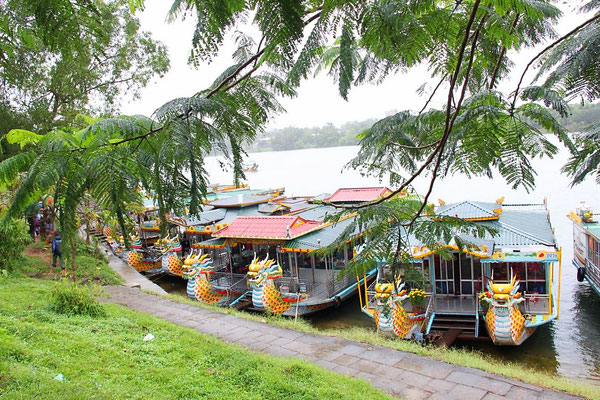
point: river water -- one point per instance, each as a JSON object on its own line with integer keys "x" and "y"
{"x": 569, "y": 346}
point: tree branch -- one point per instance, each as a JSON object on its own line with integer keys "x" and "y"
{"x": 432, "y": 94}
{"x": 502, "y": 52}
{"x": 549, "y": 47}
{"x": 449, "y": 123}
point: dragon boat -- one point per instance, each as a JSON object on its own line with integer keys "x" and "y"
{"x": 208, "y": 286}
{"x": 499, "y": 287}
{"x": 392, "y": 311}
{"x": 287, "y": 274}
{"x": 586, "y": 246}
{"x": 265, "y": 295}
{"x": 170, "y": 249}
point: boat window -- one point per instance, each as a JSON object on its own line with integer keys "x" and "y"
{"x": 444, "y": 275}
{"x": 536, "y": 287}
{"x": 477, "y": 281}
{"x": 466, "y": 287}
{"x": 519, "y": 269}
{"x": 304, "y": 260}
{"x": 536, "y": 271}
{"x": 437, "y": 263}
{"x": 319, "y": 262}
{"x": 499, "y": 272}
{"x": 465, "y": 267}
{"x": 339, "y": 258}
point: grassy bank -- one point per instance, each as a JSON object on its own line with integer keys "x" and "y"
{"x": 106, "y": 358}
{"x": 451, "y": 355}
{"x": 91, "y": 265}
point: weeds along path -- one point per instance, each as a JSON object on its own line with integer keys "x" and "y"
{"x": 401, "y": 374}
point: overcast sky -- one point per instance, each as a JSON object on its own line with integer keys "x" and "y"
{"x": 318, "y": 101}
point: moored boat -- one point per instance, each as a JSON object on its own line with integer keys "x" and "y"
{"x": 504, "y": 282}
{"x": 586, "y": 246}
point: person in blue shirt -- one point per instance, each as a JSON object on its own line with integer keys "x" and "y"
{"x": 56, "y": 250}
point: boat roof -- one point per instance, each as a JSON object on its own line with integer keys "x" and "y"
{"x": 519, "y": 227}
{"x": 355, "y": 195}
{"x": 286, "y": 205}
{"x": 317, "y": 239}
{"x": 268, "y": 227}
{"x": 318, "y": 213}
{"x": 471, "y": 210}
{"x": 242, "y": 200}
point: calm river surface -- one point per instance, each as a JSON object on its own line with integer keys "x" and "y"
{"x": 570, "y": 346}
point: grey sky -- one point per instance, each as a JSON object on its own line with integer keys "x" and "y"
{"x": 318, "y": 101}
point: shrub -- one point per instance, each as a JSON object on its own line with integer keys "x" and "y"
{"x": 14, "y": 237}
{"x": 73, "y": 299}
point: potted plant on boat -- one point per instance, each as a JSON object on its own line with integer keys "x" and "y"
{"x": 417, "y": 300}
{"x": 483, "y": 304}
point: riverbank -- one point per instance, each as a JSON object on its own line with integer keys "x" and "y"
{"x": 475, "y": 363}
{"x": 453, "y": 356}
{"x": 49, "y": 355}
{"x": 460, "y": 357}
{"x": 397, "y": 372}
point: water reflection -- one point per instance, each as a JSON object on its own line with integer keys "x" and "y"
{"x": 537, "y": 352}
{"x": 587, "y": 327}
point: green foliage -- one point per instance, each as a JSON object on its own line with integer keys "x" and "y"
{"x": 22, "y": 137}
{"x": 73, "y": 299}
{"x": 488, "y": 134}
{"x": 14, "y": 237}
{"x": 62, "y": 57}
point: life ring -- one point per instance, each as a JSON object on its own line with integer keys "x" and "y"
{"x": 580, "y": 274}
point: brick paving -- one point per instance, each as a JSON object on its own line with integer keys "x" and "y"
{"x": 400, "y": 374}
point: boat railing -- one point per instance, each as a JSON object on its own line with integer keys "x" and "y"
{"x": 536, "y": 303}
{"x": 371, "y": 299}
{"x": 335, "y": 284}
{"x": 428, "y": 311}
{"x": 288, "y": 284}
{"x": 236, "y": 283}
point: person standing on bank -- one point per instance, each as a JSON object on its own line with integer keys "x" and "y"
{"x": 56, "y": 251}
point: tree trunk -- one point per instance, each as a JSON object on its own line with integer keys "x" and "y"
{"x": 73, "y": 265}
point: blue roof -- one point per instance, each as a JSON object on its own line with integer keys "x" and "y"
{"x": 469, "y": 210}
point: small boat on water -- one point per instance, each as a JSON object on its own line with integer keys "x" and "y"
{"x": 500, "y": 287}
{"x": 249, "y": 166}
{"x": 586, "y": 246}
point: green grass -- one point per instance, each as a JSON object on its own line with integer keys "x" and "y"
{"x": 451, "y": 355}
{"x": 106, "y": 358}
{"x": 91, "y": 265}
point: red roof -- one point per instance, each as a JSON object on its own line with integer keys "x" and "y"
{"x": 345, "y": 195}
{"x": 281, "y": 227}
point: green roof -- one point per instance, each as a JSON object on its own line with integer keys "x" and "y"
{"x": 319, "y": 239}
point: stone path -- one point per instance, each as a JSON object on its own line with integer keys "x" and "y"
{"x": 401, "y": 374}
{"x": 129, "y": 274}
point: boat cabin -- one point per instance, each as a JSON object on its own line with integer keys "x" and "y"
{"x": 510, "y": 271}
{"x": 586, "y": 246}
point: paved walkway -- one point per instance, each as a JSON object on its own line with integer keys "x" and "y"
{"x": 401, "y": 374}
{"x": 129, "y": 274}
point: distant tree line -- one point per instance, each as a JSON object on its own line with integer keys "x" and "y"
{"x": 328, "y": 135}
{"x": 581, "y": 117}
